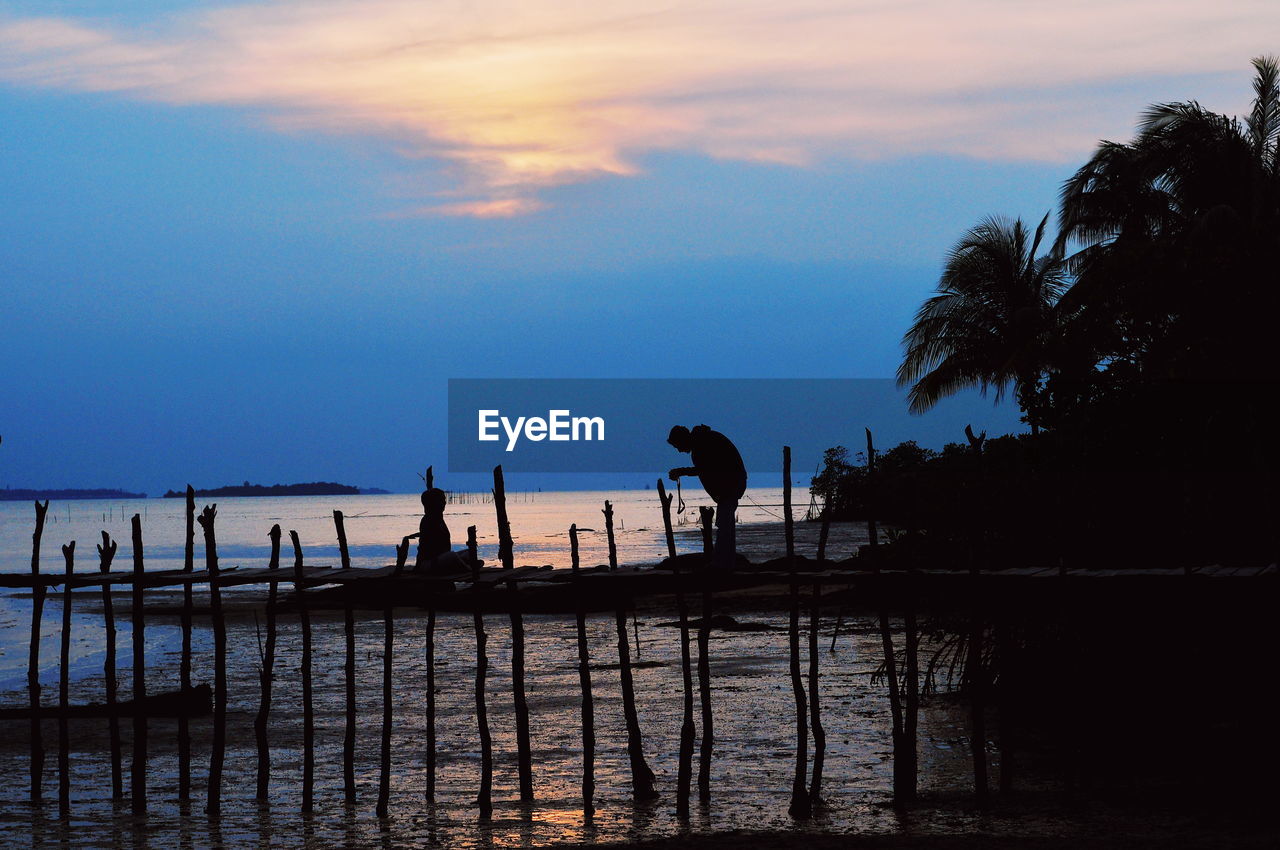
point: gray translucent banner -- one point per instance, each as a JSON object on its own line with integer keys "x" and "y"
{"x": 608, "y": 425}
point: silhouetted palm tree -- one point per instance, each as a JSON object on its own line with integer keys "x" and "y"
{"x": 1177, "y": 234}
{"x": 989, "y": 323}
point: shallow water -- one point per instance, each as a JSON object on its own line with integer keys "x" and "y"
{"x": 754, "y": 711}
{"x": 751, "y": 774}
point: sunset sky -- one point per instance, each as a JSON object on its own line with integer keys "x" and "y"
{"x": 254, "y": 240}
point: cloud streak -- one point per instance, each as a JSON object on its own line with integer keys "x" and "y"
{"x": 515, "y": 96}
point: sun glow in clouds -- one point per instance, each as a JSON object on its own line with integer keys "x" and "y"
{"x": 520, "y": 96}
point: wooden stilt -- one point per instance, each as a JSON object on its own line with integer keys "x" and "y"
{"x": 106, "y": 553}
{"x": 184, "y": 666}
{"x": 308, "y": 707}
{"x": 824, "y": 532}
{"x": 707, "y": 514}
{"x": 524, "y": 752}
{"x": 64, "y": 688}
{"x": 584, "y": 679}
{"x": 138, "y": 771}
{"x": 800, "y": 806}
{"x": 388, "y": 650}
{"x": 1004, "y": 648}
{"x": 911, "y": 686}
{"x": 431, "y": 704}
{"x": 973, "y": 665}
{"x": 268, "y": 673}
{"x": 484, "y": 799}
{"x": 815, "y": 706}
{"x": 349, "y": 634}
{"x": 684, "y": 771}
{"x": 33, "y": 658}
{"x": 213, "y": 806}
{"x": 641, "y": 776}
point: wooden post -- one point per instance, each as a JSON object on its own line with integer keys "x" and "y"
{"x": 1004, "y": 649}
{"x": 641, "y": 776}
{"x": 388, "y": 649}
{"x": 584, "y": 678}
{"x": 138, "y": 771}
{"x": 524, "y": 752}
{"x": 823, "y": 532}
{"x": 431, "y": 702}
{"x": 908, "y": 757}
{"x": 800, "y": 806}
{"x": 815, "y": 710}
{"x": 484, "y": 799}
{"x": 268, "y": 672}
{"x": 38, "y": 591}
{"x": 349, "y": 669}
{"x": 704, "y": 661}
{"x": 973, "y": 664}
{"x": 213, "y": 807}
{"x": 684, "y": 773}
{"x": 184, "y": 667}
{"x": 107, "y": 552}
{"x": 64, "y": 688}
{"x": 308, "y": 707}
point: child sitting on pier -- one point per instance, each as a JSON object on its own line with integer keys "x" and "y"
{"x": 435, "y": 548}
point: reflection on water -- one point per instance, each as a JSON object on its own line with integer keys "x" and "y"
{"x": 751, "y": 771}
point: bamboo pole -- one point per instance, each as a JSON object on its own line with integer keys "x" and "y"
{"x": 38, "y": 591}
{"x": 184, "y": 667}
{"x": 64, "y": 688}
{"x": 800, "y": 806}
{"x": 349, "y": 669}
{"x": 217, "y": 754}
{"x": 388, "y": 650}
{"x": 684, "y": 773}
{"x": 815, "y": 707}
{"x": 484, "y": 799}
{"x": 308, "y": 707}
{"x": 431, "y": 702}
{"x": 138, "y": 771}
{"x": 641, "y": 776}
{"x": 973, "y": 664}
{"x": 704, "y": 661}
{"x": 106, "y": 553}
{"x": 524, "y": 753}
{"x": 268, "y": 673}
{"x": 584, "y": 678}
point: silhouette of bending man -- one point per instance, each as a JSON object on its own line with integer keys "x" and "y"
{"x": 719, "y": 467}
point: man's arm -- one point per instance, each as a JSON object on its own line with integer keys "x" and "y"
{"x": 679, "y": 471}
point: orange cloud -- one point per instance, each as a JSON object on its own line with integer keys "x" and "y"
{"x": 519, "y": 95}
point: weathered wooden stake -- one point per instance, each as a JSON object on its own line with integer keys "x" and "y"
{"x": 64, "y": 688}
{"x": 707, "y": 514}
{"x": 815, "y": 710}
{"x": 308, "y": 708}
{"x": 684, "y": 773}
{"x": 973, "y": 664}
{"x": 431, "y": 703}
{"x": 484, "y": 799}
{"x": 184, "y": 667}
{"x": 584, "y": 678}
{"x": 107, "y": 552}
{"x": 524, "y": 752}
{"x": 267, "y": 675}
{"x": 33, "y": 658}
{"x": 138, "y": 771}
{"x": 641, "y": 776}
{"x": 388, "y": 650}
{"x": 349, "y": 633}
{"x": 911, "y": 721}
{"x": 823, "y": 532}
{"x": 213, "y": 807}
{"x": 800, "y": 806}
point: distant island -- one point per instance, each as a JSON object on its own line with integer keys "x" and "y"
{"x": 315, "y": 488}
{"x": 24, "y": 495}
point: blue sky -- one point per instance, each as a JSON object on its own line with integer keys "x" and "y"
{"x": 222, "y": 260}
